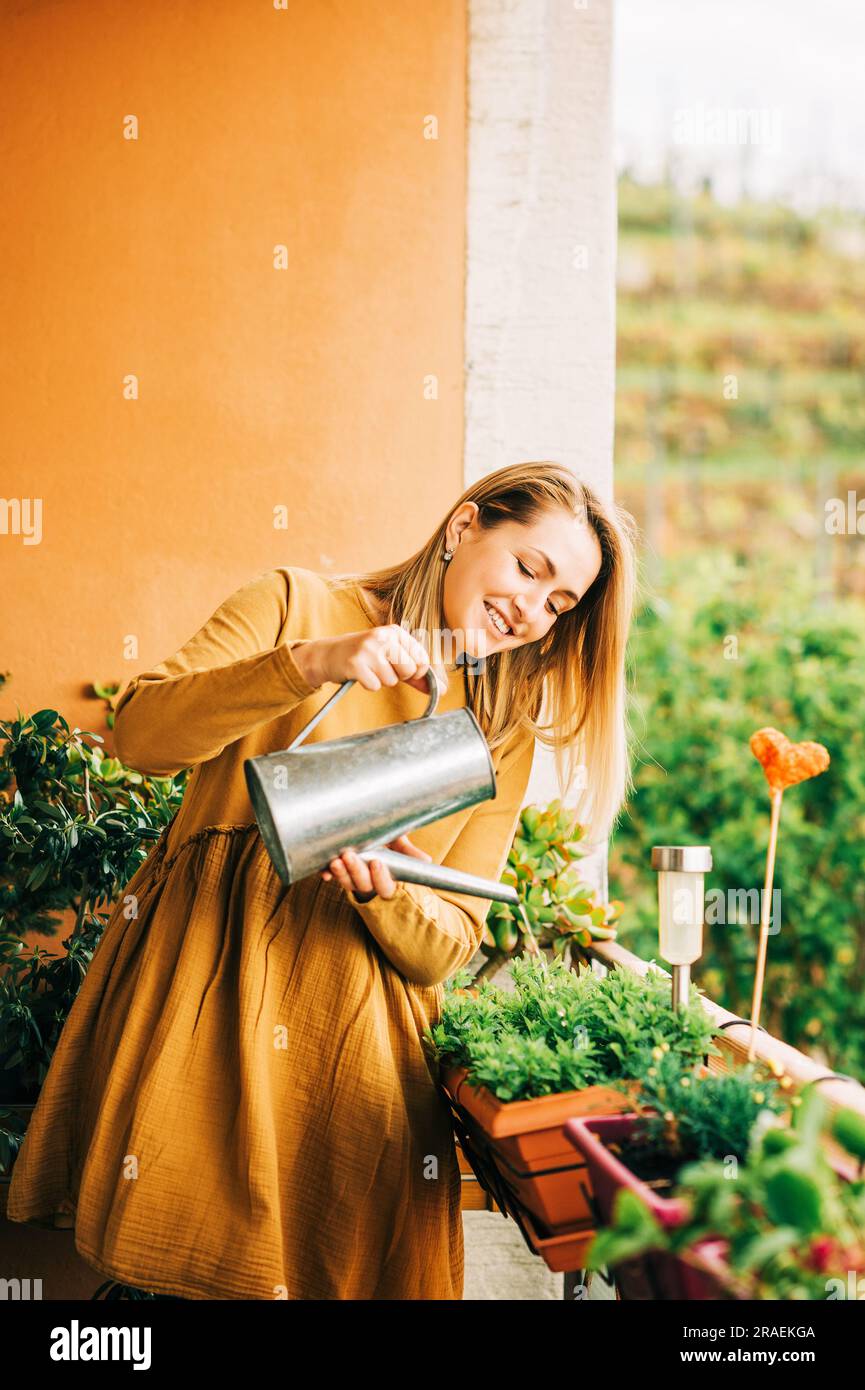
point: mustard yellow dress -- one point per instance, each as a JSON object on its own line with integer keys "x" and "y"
{"x": 239, "y": 1105}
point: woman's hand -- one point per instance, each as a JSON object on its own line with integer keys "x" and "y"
{"x": 379, "y": 656}
{"x": 367, "y": 880}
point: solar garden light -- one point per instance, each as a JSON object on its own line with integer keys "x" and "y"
{"x": 681, "y": 908}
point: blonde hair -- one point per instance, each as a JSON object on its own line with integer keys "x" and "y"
{"x": 574, "y": 677}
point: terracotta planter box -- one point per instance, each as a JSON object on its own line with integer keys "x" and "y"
{"x": 562, "y": 1253}
{"x": 656, "y": 1275}
{"x": 526, "y": 1141}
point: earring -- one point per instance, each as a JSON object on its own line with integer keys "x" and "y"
{"x": 448, "y": 555}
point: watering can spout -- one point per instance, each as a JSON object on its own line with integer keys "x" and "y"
{"x": 311, "y": 802}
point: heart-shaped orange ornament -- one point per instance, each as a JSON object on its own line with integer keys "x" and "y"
{"x": 786, "y": 763}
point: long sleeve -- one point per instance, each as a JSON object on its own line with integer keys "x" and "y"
{"x": 232, "y": 675}
{"x": 427, "y": 933}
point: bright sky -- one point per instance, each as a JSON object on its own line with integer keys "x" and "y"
{"x": 682, "y": 65}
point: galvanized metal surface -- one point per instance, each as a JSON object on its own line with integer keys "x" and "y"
{"x": 362, "y": 791}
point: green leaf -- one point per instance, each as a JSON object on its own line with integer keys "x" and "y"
{"x": 766, "y": 1246}
{"x": 848, "y": 1128}
{"x": 45, "y": 719}
{"x": 634, "y": 1231}
{"x": 793, "y": 1199}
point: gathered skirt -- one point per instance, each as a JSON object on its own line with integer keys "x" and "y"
{"x": 239, "y": 1104}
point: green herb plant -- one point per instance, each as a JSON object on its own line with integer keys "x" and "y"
{"x": 561, "y": 1029}
{"x": 687, "y": 1116}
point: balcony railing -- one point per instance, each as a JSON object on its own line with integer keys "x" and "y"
{"x": 733, "y": 1037}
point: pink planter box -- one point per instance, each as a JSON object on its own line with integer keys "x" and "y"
{"x": 656, "y": 1275}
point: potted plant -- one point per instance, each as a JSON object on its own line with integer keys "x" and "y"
{"x": 75, "y": 825}
{"x": 789, "y": 1225}
{"x": 557, "y": 907}
{"x": 516, "y": 1064}
{"x": 680, "y": 1115}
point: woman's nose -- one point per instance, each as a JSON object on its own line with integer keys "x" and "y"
{"x": 523, "y": 611}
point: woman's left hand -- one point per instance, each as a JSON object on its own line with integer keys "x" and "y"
{"x": 367, "y": 879}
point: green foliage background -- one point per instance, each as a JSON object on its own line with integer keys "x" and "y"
{"x": 739, "y": 415}
{"x": 698, "y": 698}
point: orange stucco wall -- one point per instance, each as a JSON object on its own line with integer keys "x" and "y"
{"x": 258, "y": 387}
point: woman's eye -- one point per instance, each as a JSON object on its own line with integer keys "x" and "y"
{"x": 554, "y": 611}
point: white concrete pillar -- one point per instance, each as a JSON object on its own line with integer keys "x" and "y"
{"x": 541, "y": 249}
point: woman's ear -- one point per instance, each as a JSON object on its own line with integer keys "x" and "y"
{"x": 464, "y": 517}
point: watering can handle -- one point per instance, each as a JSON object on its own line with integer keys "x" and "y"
{"x": 435, "y": 691}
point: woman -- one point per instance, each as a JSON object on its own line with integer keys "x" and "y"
{"x": 240, "y": 1105}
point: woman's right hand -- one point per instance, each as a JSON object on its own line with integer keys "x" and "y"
{"x": 376, "y": 657}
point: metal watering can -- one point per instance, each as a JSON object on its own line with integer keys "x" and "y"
{"x": 366, "y": 789}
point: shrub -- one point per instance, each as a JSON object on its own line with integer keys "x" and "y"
{"x": 798, "y": 667}
{"x": 75, "y": 825}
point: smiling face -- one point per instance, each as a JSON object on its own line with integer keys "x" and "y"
{"x": 500, "y": 591}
